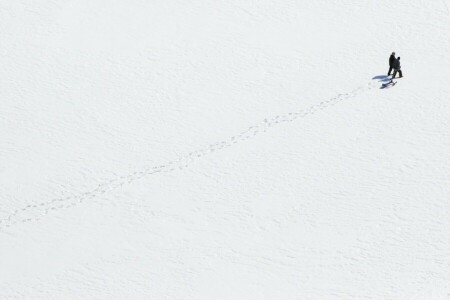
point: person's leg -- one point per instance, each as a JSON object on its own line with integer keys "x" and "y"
{"x": 400, "y": 72}
{"x": 395, "y": 73}
{"x": 390, "y": 70}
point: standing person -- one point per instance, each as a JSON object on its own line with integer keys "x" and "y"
{"x": 391, "y": 62}
{"x": 397, "y": 67}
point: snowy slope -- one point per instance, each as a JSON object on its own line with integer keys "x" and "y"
{"x": 224, "y": 150}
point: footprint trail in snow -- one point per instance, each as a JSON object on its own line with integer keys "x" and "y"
{"x": 36, "y": 211}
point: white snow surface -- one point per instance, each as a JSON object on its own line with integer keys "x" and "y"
{"x": 237, "y": 149}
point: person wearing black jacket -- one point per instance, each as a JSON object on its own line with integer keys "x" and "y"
{"x": 391, "y": 62}
{"x": 396, "y": 66}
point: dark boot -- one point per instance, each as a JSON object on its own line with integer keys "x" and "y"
{"x": 390, "y": 70}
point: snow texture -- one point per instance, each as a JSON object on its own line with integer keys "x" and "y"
{"x": 224, "y": 150}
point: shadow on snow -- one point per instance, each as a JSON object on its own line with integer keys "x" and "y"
{"x": 384, "y": 79}
{"x": 381, "y": 78}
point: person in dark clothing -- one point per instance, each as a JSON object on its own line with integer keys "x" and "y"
{"x": 391, "y": 62}
{"x": 396, "y": 66}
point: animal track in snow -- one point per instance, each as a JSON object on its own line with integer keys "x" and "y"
{"x": 34, "y": 212}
